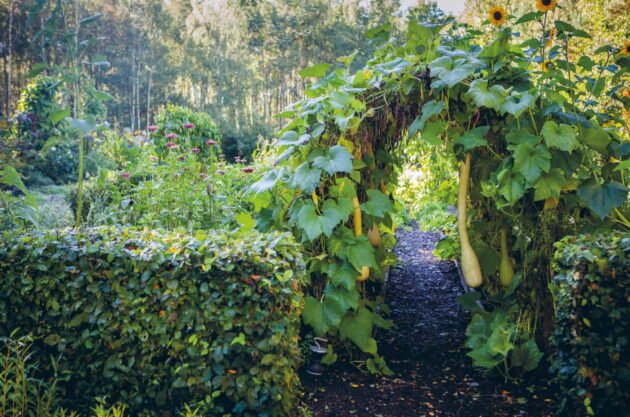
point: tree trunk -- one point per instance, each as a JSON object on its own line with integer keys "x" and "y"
{"x": 149, "y": 97}
{"x": 8, "y": 68}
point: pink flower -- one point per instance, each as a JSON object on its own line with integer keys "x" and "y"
{"x": 182, "y": 158}
{"x": 188, "y": 126}
{"x": 195, "y": 150}
{"x": 211, "y": 142}
{"x": 171, "y": 145}
{"x": 203, "y": 176}
{"x": 220, "y": 172}
{"x": 171, "y": 136}
{"x": 220, "y": 164}
{"x": 248, "y": 170}
{"x": 125, "y": 175}
{"x": 152, "y": 128}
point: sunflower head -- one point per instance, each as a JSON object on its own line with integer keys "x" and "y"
{"x": 626, "y": 49}
{"x": 497, "y": 15}
{"x": 546, "y": 5}
{"x": 546, "y": 65}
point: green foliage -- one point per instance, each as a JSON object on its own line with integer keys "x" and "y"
{"x": 160, "y": 319}
{"x": 590, "y": 339}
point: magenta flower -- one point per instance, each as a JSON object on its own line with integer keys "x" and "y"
{"x": 248, "y": 170}
{"x": 171, "y": 136}
{"x": 188, "y": 126}
{"x": 125, "y": 175}
{"x": 220, "y": 172}
{"x": 152, "y": 128}
{"x": 182, "y": 158}
{"x": 172, "y": 145}
{"x": 211, "y": 142}
{"x": 195, "y": 150}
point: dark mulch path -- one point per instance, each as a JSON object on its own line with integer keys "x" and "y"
{"x": 434, "y": 376}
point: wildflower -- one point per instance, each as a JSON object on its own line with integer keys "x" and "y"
{"x": 188, "y": 126}
{"x": 171, "y": 135}
{"x": 172, "y": 145}
{"x": 546, "y": 5}
{"x": 125, "y": 175}
{"x": 497, "y": 15}
{"x": 546, "y": 65}
{"x": 203, "y": 176}
{"x": 211, "y": 142}
{"x": 152, "y": 128}
{"x": 248, "y": 170}
{"x": 195, "y": 150}
{"x": 182, "y": 158}
{"x": 551, "y": 35}
{"x": 626, "y": 49}
{"x": 162, "y": 313}
{"x": 220, "y": 172}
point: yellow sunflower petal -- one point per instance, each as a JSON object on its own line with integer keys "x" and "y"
{"x": 497, "y": 15}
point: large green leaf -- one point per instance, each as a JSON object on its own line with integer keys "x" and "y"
{"x": 357, "y": 327}
{"x": 429, "y": 109}
{"x": 313, "y": 225}
{"x": 473, "y": 138}
{"x": 500, "y": 341}
{"x": 378, "y": 204}
{"x": 451, "y": 70}
{"x": 306, "y": 178}
{"x": 347, "y": 299}
{"x": 527, "y": 355}
{"x": 336, "y": 159}
{"x": 559, "y": 136}
{"x": 603, "y": 198}
{"x": 483, "y": 358}
{"x": 291, "y": 138}
{"x": 517, "y": 103}
{"x": 549, "y": 184}
{"x": 492, "y": 97}
{"x": 531, "y": 161}
{"x": 322, "y": 316}
{"x": 511, "y": 186}
{"x": 596, "y": 138}
{"x": 317, "y": 71}
{"x": 344, "y": 275}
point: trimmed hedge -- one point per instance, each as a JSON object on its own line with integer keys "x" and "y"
{"x": 592, "y": 328}
{"x": 158, "y": 320}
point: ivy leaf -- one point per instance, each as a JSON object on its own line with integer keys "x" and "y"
{"x": 378, "y": 204}
{"x": 473, "y": 138}
{"x": 337, "y": 159}
{"x": 559, "y": 136}
{"x": 358, "y": 328}
{"x": 511, "y": 186}
{"x": 451, "y": 71}
{"x": 531, "y": 161}
{"x": 492, "y": 98}
{"x": 306, "y": 178}
{"x": 549, "y": 184}
{"x": 603, "y": 198}
{"x": 322, "y": 316}
{"x": 517, "y": 103}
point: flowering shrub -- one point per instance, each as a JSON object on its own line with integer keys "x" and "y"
{"x": 157, "y": 320}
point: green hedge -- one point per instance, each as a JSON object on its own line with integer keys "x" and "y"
{"x": 158, "y": 320}
{"x": 592, "y": 328}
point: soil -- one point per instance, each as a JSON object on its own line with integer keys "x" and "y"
{"x": 433, "y": 376}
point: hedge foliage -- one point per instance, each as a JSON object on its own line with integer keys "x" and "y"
{"x": 158, "y": 320}
{"x": 592, "y": 328}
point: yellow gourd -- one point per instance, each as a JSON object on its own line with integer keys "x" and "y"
{"x": 358, "y": 231}
{"x": 506, "y": 271}
{"x": 374, "y": 236}
{"x": 469, "y": 262}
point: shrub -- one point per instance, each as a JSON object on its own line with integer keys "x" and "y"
{"x": 157, "y": 320}
{"x": 592, "y": 325}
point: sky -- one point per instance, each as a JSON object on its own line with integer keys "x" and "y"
{"x": 452, "y": 6}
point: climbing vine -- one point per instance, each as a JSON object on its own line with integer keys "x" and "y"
{"x": 538, "y": 132}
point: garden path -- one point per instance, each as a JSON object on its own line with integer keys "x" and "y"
{"x": 433, "y": 377}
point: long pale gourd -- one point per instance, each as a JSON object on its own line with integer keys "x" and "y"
{"x": 506, "y": 271}
{"x": 374, "y": 236}
{"x": 469, "y": 262}
{"x": 358, "y": 231}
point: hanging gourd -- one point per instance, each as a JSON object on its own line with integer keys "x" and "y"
{"x": 374, "y": 236}
{"x": 469, "y": 262}
{"x": 506, "y": 271}
{"x": 358, "y": 226}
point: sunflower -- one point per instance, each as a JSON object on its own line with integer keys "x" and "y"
{"x": 546, "y": 5}
{"x": 546, "y": 65}
{"x": 626, "y": 49}
{"x": 497, "y": 15}
{"x": 551, "y": 34}
{"x": 626, "y": 93}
